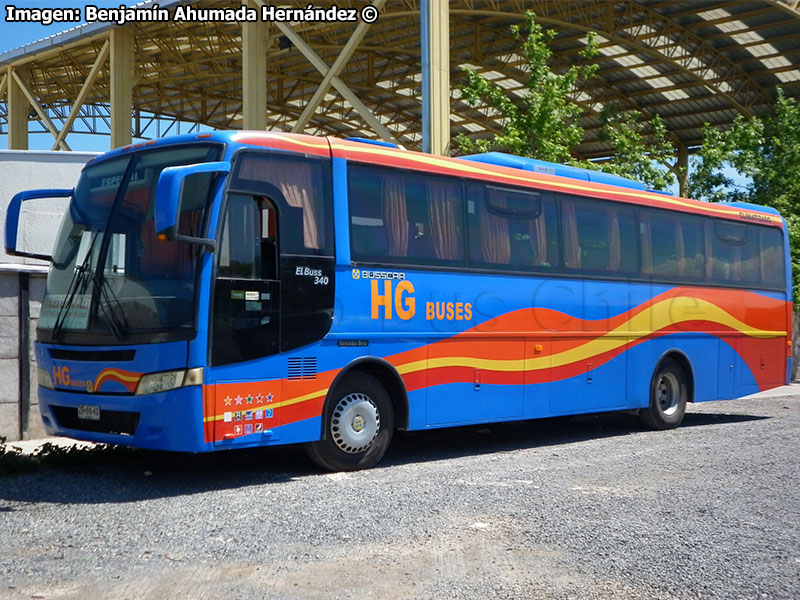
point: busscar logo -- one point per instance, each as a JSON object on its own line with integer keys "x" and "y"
{"x": 365, "y": 274}
{"x": 756, "y": 217}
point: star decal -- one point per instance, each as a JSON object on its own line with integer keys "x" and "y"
{"x": 259, "y": 398}
{"x": 238, "y": 399}
{"x": 270, "y": 397}
{"x": 227, "y": 401}
{"x": 249, "y": 399}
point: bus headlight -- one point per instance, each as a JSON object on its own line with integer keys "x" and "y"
{"x": 153, "y": 383}
{"x": 43, "y": 378}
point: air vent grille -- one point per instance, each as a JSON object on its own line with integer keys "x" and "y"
{"x": 302, "y": 367}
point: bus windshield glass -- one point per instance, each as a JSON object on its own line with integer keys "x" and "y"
{"x": 111, "y": 279}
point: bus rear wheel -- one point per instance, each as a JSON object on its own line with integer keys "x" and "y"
{"x": 359, "y": 422}
{"x": 668, "y": 397}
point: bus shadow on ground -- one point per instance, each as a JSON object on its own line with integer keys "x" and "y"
{"x": 440, "y": 444}
{"x": 117, "y": 474}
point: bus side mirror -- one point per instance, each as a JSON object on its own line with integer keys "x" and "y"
{"x": 12, "y": 218}
{"x": 169, "y": 190}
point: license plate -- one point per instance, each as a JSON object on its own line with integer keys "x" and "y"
{"x": 89, "y": 413}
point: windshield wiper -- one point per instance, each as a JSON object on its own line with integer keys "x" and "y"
{"x": 79, "y": 279}
{"x": 110, "y": 304}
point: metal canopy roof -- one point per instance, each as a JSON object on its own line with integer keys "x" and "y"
{"x": 690, "y": 61}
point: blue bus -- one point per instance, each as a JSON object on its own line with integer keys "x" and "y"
{"x": 240, "y": 289}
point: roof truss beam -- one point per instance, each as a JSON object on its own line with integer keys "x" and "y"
{"x": 340, "y": 86}
{"x": 48, "y": 123}
{"x": 82, "y": 94}
{"x": 334, "y": 70}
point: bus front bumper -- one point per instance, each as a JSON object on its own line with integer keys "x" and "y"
{"x": 171, "y": 420}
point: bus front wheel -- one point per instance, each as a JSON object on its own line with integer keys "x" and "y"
{"x": 359, "y": 422}
{"x": 668, "y": 396}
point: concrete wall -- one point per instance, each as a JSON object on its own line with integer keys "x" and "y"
{"x": 19, "y": 408}
{"x": 24, "y": 278}
{"x": 24, "y": 170}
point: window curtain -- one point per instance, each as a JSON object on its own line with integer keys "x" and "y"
{"x": 647, "y": 242}
{"x": 538, "y": 233}
{"x": 709, "y": 231}
{"x": 572, "y": 251}
{"x": 395, "y": 215}
{"x": 295, "y": 181}
{"x": 614, "y": 241}
{"x": 765, "y": 255}
{"x": 444, "y": 213}
{"x": 680, "y": 247}
{"x": 736, "y": 263}
{"x": 495, "y": 243}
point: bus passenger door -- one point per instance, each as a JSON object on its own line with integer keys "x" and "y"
{"x": 246, "y": 317}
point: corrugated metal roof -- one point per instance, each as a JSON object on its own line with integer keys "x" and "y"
{"x": 690, "y": 62}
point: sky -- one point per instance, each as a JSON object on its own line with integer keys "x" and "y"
{"x": 15, "y": 35}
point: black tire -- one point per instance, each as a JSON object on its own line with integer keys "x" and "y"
{"x": 358, "y": 423}
{"x": 669, "y": 393}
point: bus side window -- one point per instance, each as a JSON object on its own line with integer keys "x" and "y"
{"x": 598, "y": 236}
{"x": 672, "y": 244}
{"x": 302, "y": 193}
{"x": 734, "y": 252}
{"x": 772, "y": 259}
{"x": 244, "y": 252}
{"x": 269, "y": 240}
{"x": 367, "y": 231}
{"x": 397, "y": 218}
{"x": 514, "y": 228}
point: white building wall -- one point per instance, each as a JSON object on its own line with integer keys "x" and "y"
{"x": 25, "y": 170}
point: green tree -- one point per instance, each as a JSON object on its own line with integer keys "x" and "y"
{"x": 646, "y": 156}
{"x": 766, "y": 150}
{"x": 543, "y": 124}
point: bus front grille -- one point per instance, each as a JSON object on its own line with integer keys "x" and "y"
{"x": 93, "y": 355}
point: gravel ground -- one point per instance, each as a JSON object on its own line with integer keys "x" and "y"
{"x": 588, "y": 507}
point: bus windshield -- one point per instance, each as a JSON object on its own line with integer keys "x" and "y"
{"x": 111, "y": 279}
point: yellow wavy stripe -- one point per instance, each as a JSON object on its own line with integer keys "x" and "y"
{"x": 661, "y": 315}
{"x": 118, "y": 375}
{"x": 462, "y": 361}
{"x": 281, "y": 137}
{"x": 295, "y": 400}
{"x": 472, "y": 168}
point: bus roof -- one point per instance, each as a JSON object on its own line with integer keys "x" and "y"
{"x": 494, "y": 166}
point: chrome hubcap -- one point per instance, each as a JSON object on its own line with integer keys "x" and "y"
{"x": 355, "y": 423}
{"x": 668, "y": 393}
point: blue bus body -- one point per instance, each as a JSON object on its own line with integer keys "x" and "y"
{"x": 423, "y": 305}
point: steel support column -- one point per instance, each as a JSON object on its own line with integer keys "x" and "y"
{"x": 18, "y": 108}
{"x": 121, "y": 85}
{"x": 435, "y": 25}
{"x": 40, "y": 110}
{"x": 254, "y": 75}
